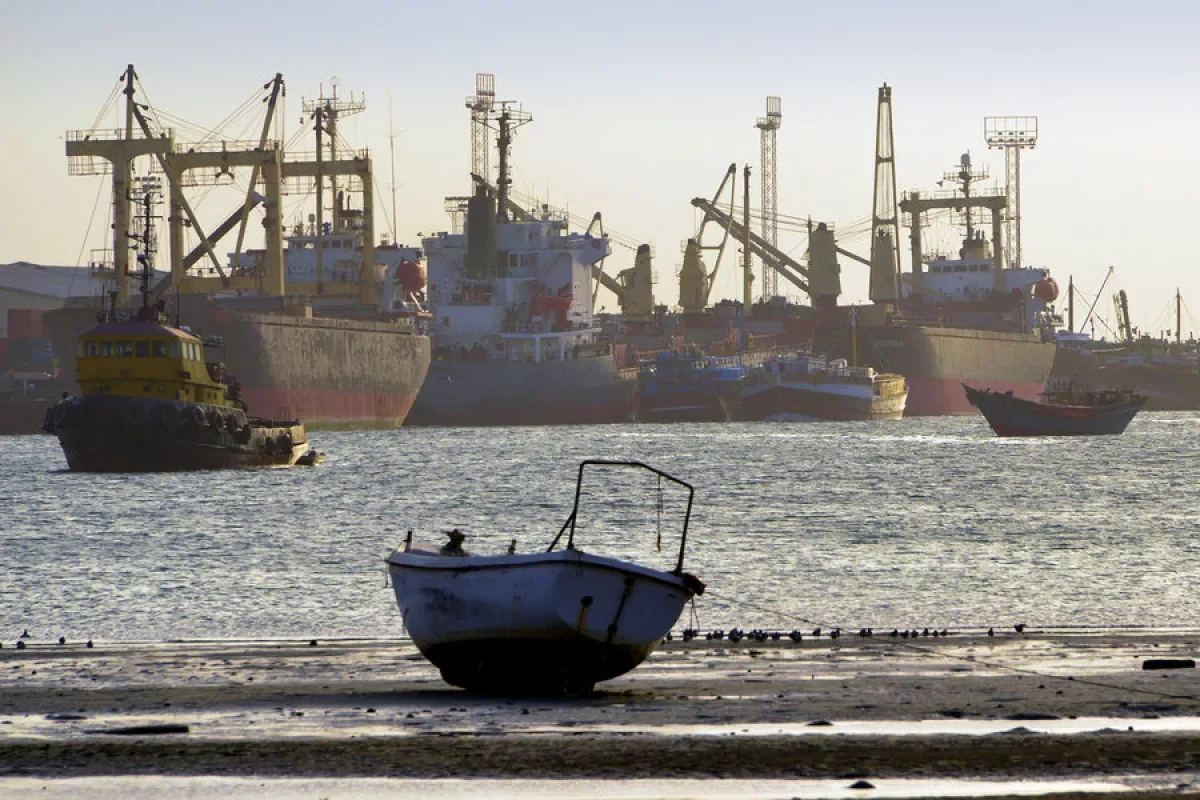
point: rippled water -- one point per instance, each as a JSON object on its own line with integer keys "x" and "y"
{"x": 922, "y": 522}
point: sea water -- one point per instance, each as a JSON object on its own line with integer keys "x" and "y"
{"x": 917, "y": 523}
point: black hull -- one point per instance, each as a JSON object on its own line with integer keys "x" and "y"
{"x": 533, "y": 666}
{"x": 107, "y": 433}
{"x": 711, "y": 405}
{"x": 1011, "y": 416}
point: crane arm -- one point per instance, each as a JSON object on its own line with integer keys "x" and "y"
{"x": 795, "y": 272}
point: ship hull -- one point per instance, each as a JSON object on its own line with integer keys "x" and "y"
{"x": 672, "y": 403}
{"x": 112, "y": 433}
{"x": 935, "y": 361}
{"x": 1166, "y": 388}
{"x": 328, "y": 372}
{"x": 574, "y": 391}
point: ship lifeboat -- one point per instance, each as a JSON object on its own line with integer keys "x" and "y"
{"x": 1046, "y": 290}
{"x": 411, "y": 276}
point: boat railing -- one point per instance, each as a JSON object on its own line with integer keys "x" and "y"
{"x": 569, "y": 526}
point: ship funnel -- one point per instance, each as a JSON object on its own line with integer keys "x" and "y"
{"x": 637, "y": 302}
{"x": 481, "y": 235}
{"x": 883, "y": 268}
{"x": 693, "y": 280}
{"x": 824, "y": 272}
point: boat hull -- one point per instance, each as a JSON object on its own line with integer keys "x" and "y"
{"x": 832, "y": 402}
{"x": 544, "y": 622}
{"x": 1012, "y": 416}
{"x": 573, "y": 391}
{"x": 110, "y": 433}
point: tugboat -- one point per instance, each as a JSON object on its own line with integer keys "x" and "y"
{"x": 1068, "y": 410}
{"x": 150, "y": 400}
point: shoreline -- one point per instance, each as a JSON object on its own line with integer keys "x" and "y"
{"x": 370, "y": 708}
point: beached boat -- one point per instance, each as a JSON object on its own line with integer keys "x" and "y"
{"x": 1063, "y": 411}
{"x": 553, "y": 621}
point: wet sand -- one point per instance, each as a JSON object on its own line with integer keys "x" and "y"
{"x": 700, "y": 709}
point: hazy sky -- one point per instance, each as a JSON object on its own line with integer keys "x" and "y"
{"x": 638, "y": 107}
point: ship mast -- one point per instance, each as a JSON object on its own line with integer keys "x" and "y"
{"x": 508, "y": 120}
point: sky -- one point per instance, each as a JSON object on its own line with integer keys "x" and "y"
{"x": 639, "y": 107}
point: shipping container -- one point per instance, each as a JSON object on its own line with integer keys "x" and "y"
{"x": 26, "y": 323}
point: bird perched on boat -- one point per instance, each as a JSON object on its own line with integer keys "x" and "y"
{"x": 1019, "y": 627}
{"x": 20, "y": 644}
{"x": 62, "y": 640}
{"x": 25, "y": 635}
{"x": 991, "y": 631}
{"x": 512, "y": 547}
{"x": 454, "y": 546}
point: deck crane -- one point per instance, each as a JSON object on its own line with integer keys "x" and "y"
{"x": 820, "y": 279}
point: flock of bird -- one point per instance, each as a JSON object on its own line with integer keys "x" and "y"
{"x": 735, "y": 635}
{"x": 27, "y": 635}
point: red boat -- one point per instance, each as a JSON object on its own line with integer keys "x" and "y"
{"x": 1068, "y": 411}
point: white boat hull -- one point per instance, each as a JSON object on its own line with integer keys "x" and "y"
{"x": 545, "y": 622}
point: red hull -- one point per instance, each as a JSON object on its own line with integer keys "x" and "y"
{"x": 319, "y": 408}
{"x": 935, "y": 397}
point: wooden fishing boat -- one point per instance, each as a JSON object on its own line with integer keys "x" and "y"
{"x": 1069, "y": 410}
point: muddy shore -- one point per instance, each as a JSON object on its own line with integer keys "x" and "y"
{"x": 852, "y": 708}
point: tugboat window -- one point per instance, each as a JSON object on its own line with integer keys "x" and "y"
{"x": 125, "y": 349}
{"x": 93, "y": 349}
{"x": 161, "y": 349}
{"x": 141, "y": 349}
{"x": 106, "y": 349}
{"x": 176, "y": 350}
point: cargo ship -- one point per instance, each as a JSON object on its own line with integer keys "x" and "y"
{"x": 951, "y": 319}
{"x": 1166, "y": 372}
{"x": 322, "y": 325}
{"x": 514, "y": 338}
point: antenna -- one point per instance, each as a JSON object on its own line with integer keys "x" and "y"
{"x": 1012, "y": 135}
{"x": 767, "y": 127}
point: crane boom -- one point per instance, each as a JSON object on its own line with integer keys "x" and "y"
{"x": 795, "y": 272}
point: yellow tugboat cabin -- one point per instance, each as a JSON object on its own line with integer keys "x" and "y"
{"x": 146, "y": 359}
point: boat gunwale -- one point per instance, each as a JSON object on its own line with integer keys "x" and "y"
{"x": 575, "y": 557}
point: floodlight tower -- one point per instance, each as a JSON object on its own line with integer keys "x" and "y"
{"x": 770, "y": 197}
{"x": 1012, "y": 135}
{"x": 480, "y": 105}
